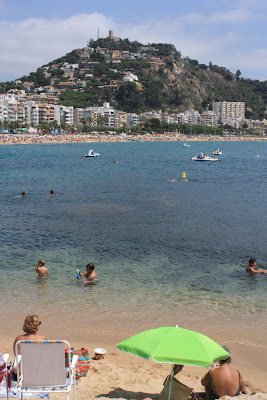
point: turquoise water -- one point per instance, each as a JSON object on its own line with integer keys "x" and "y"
{"x": 155, "y": 243}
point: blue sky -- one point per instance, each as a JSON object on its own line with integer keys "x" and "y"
{"x": 227, "y": 33}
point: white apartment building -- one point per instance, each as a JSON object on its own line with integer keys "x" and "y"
{"x": 106, "y": 112}
{"x": 209, "y": 118}
{"x": 64, "y": 114}
{"x": 192, "y": 117}
{"x": 234, "y": 110}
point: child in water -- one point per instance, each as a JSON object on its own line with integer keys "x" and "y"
{"x": 41, "y": 270}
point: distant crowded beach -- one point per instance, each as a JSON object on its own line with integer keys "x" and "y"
{"x": 101, "y": 137}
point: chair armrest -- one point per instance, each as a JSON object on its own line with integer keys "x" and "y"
{"x": 74, "y": 360}
{"x": 6, "y": 357}
{"x": 19, "y": 360}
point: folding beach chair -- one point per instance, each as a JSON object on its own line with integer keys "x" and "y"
{"x": 178, "y": 390}
{"x": 41, "y": 367}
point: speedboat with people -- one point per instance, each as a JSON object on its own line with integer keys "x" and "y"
{"x": 91, "y": 153}
{"x": 186, "y": 145}
{"x": 217, "y": 152}
{"x": 203, "y": 157}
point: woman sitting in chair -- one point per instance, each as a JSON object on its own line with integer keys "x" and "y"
{"x": 30, "y": 327}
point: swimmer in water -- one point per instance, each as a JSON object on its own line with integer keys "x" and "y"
{"x": 23, "y": 193}
{"x": 251, "y": 267}
{"x": 90, "y": 273}
{"x": 51, "y": 193}
{"x": 115, "y": 162}
{"x": 41, "y": 270}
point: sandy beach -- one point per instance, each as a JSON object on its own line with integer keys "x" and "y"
{"x": 124, "y": 376}
{"x": 9, "y": 139}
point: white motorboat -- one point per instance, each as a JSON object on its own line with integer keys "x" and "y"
{"x": 91, "y": 153}
{"x": 217, "y": 152}
{"x": 203, "y": 157}
{"x": 186, "y": 145}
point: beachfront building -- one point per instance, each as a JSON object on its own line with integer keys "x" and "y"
{"x": 209, "y": 118}
{"x": 260, "y": 126}
{"x": 229, "y": 111}
{"x": 192, "y": 117}
{"x": 132, "y": 120}
{"x": 77, "y": 116}
{"x": 64, "y": 114}
{"x": 120, "y": 119}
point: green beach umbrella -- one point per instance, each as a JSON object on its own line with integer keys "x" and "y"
{"x": 174, "y": 345}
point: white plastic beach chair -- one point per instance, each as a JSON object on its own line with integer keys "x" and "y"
{"x": 41, "y": 367}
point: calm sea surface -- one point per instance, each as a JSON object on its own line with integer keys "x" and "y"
{"x": 160, "y": 248}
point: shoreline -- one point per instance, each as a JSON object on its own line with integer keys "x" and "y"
{"x": 10, "y": 139}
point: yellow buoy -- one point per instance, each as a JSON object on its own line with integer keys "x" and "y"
{"x": 183, "y": 175}
{"x": 257, "y": 156}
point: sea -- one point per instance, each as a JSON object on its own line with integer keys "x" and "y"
{"x": 166, "y": 252}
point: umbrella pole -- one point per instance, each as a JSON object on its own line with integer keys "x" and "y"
{"x": 170, "y": 385}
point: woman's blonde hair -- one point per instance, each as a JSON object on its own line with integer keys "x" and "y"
{"x": 31, "y": 324}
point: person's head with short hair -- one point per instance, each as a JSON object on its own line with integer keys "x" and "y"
{"x": 31, "y": 324}
{"x": 228, "y": 359}
{"x": 51, "y": 192}
{"x": 90, "y": 267}
{"x": 23, "y": 193}
{"x": 41, "y": 263}
{"x": 251, "y": 262}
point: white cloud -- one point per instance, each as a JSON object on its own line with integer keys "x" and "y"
{"x": 33, "y": 42}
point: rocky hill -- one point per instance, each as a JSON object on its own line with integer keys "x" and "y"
{"x": 134, "y": 77}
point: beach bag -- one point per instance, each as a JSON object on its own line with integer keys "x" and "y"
{"x": 83, "y": 362}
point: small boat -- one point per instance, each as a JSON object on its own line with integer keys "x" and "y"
{"x": 217, "y": 152}
{"x": 91, "y": 153}
{"x": 186, "y": 145}
{"x": 203, "y": 157}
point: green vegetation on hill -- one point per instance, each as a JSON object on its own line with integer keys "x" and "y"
{"x": 166, "y": 81}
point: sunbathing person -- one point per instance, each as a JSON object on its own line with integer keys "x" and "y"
{"x": 251, "y": 267}
{"x": 30, "y": 327}
{"x": 223, "y": 380}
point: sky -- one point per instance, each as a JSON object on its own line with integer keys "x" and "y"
{"x": 229, "y": 33}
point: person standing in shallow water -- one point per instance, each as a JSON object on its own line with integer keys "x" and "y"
{"x": 251, "y": 267}
{"x": 41, "y": 270}
{"x": 90, "y": 273}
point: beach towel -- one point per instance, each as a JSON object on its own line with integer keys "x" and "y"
{"x": 83, "y": 363}
{"x": 13, "y": 392}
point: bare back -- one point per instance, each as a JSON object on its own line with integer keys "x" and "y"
{"x": 27, "y": 336}
{"x": 226, "y": 381}
{"x": 42, "y": 272}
